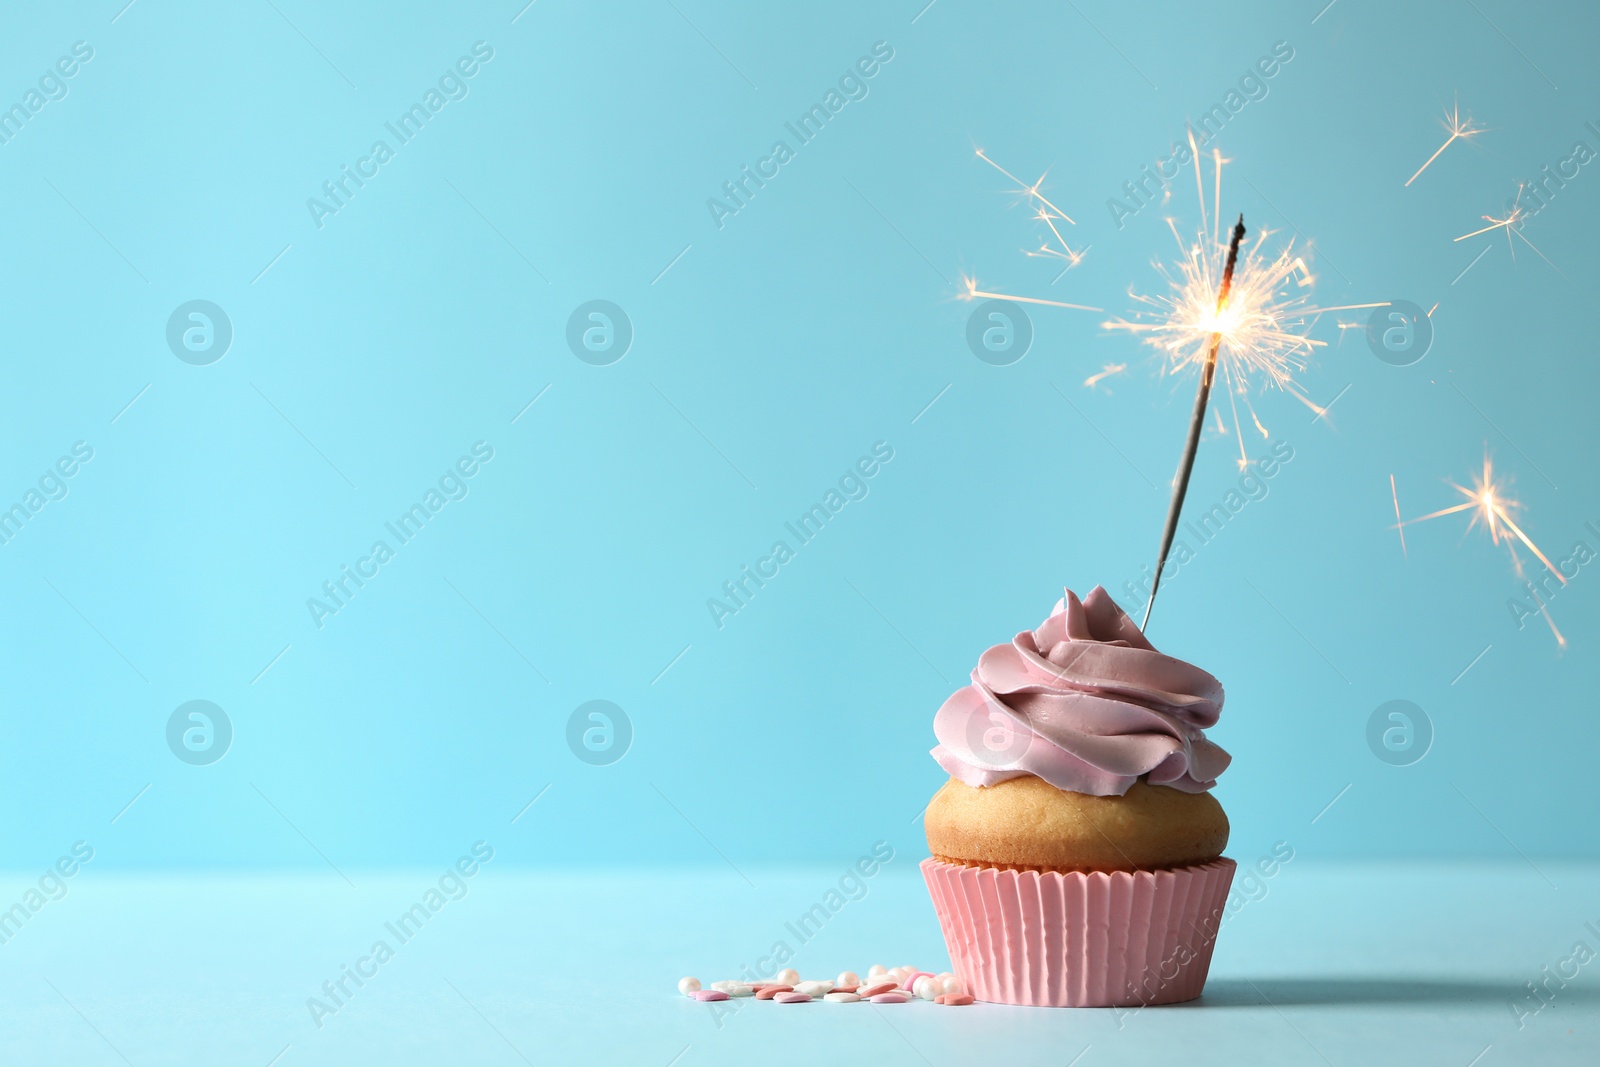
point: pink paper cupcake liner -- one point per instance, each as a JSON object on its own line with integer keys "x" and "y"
{"x": 1080, "y": 940}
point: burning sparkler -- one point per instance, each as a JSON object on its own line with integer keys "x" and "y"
{"x": 1262, "y": 327}
{"x": 1457, "y": 129}
{"x": 1231, "y": 309}
{"x": 1196, "y": 421}
{"x": 1495, "y": 509}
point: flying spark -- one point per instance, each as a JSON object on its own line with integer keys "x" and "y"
{"x": 972, "y": 292}
{"x": 1046, "y": 212}
{"x": 1512, "y": 224}
{"x": 1109, "y": 370}
{"x": 1399, "y": 522}
{"x": 1494, "y": 508}
{"x": 1458, "y": 129}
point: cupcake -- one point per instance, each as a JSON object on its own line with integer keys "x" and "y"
{"x": 1076, "y": 849}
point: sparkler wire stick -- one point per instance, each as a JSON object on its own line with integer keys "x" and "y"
{"x": 1196, "y": 424}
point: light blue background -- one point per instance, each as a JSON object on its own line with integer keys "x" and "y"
{"x": 822, "y": 318}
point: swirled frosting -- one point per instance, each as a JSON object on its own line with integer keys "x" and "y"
{"x": 1086, "y": 703}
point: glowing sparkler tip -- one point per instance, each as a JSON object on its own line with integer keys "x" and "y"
{"x": 1260, "y": 326}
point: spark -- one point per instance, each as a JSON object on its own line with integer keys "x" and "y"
{"x": 1458, "y": 130}
{"x": 1109, "y": 370}
{"x": 1233, "y": 405}
{"x": 1516, "y": 216}
{"x": 1263, "y": 325}
{"x": 972, "y": 292}
{"x": 1045, "y": 212}
{"x": 1399, "y": 523}
{"x": 1494, "y": 508}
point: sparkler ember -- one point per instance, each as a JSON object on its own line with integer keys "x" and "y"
{"x": 1046, "y": 212}
{"x": 1197, "y": 420}
{"x": 1493, "y": 507}
{"x": 1516, "y": 215}
{"x": 1108, "y": 371}
{"x": 1458, "y": 129}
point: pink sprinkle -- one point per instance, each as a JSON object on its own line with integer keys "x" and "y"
{"x": 791, "y": 997}
{"x": 956, "y": 1000}
{"x": 888, "y": 998}
{"x": 709, "y": 994}
{"x": 911, "y": 980}
{"x": 874, "y": 989}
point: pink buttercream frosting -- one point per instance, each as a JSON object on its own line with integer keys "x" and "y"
{"x": 1086, "y": 703}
